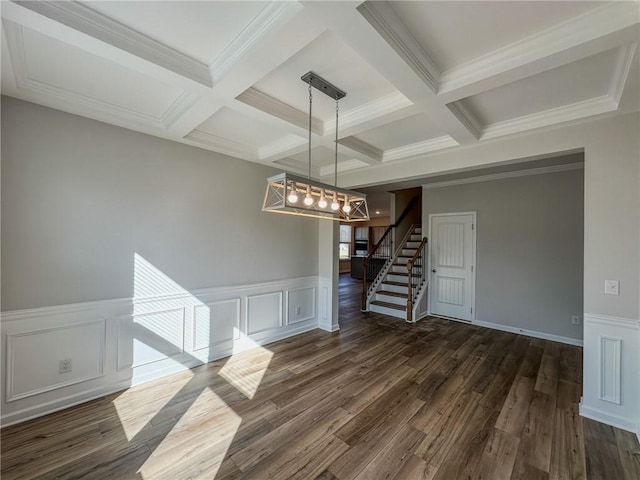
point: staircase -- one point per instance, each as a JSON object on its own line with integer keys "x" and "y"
{"x": 392, "y": 294}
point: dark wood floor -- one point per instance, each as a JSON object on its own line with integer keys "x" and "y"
{"x": 381, "y": 399}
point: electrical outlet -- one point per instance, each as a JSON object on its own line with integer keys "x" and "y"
{"x": 298, "y": 310}
{"x": 575, "y": 319}
{"x": 612, "y": 287}
{"x": 64, "y": 366}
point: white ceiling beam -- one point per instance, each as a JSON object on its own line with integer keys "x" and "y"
{"x": 83, "y": 28}
{"x": 371, "y": 42}
{"x": 360, "y": 150}
{"x": 595, "y": 31}
{"x": 258, "y": 60}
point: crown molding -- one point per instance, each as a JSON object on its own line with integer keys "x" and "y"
{"x": 281, "y": 145}
{"x": 553, "y": 116}
{"x": 594, "y": 24}
{"x": 297, "y": 166}
{"x": 222, "y": 145}
{"x": 419, "y": 148}
{"x": 379, "y": 107}
{"x": 82, "y": 18}
{"x": 67, "y": 100}
{"x": 269, "y": 19}
{"x": 466, "y": 117}
{"x": 623, "y": 66}
{"x": 343, "y": 166}
{"x": 504, "y": 175}
{"x": 353, "y": 143}
{"x": 260, "y": 100}
{"x": 384, "y": 20}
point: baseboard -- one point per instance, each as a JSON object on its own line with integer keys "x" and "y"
{"x": 610, "y": 419}
{"x": 63, "y": 403}
{"x": 529, "y": 333}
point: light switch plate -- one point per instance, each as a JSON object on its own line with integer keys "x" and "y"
{"x": 612, "y": 287}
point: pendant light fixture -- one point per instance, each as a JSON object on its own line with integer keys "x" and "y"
{"x": 296, "y": 195}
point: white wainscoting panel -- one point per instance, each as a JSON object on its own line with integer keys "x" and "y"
{"x": 157, "y": 335}
{"x": 301, "y": 305}
{"x": 609, "y": 372}
{"x": 611, "y": 380}
{"x": 264, "y": 312}
{"x": 114, "y": 344}
{"x": 326, "y": 319}
{"x": 33, "y": 358}
{"x": 215, "y": 323}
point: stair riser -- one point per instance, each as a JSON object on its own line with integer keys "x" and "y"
{"x": 416, "y": 238}
{"x": 397, "y": 278}
{"x": 403, "y": 260}
{"x": 388, "y": 311}
{"x": 398, "y": 268}
{"x": 417, "y": 231}
{"x": 390, "y": 299}
{"x": 413, "y": 245}
{"x": 395, "y": 288}
{"x": 409, "y": 251}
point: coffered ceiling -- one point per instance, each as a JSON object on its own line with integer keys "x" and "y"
{"x": 420, "y": 77}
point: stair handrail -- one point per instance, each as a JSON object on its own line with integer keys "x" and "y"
{"x": 419, "y": 259}
{"x": 385, "y": 240}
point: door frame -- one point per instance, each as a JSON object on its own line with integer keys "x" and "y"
{"x": 474, "y": 233}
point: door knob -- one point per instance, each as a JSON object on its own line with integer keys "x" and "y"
{"x": 434, "y": 270}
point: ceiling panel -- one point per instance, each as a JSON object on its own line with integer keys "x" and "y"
{"x": 201, "y": 30}
{"x": 89, "y": 77}
{"x": 320, "y": 157}
{"x": 581, "y": 80}
{"x": 337, "y": 63}
{"x": 239, "y": 128}
{"x": 456, "y": 32}
{"x": 413, "y": 129}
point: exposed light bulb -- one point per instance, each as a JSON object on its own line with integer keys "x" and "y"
{"x": 308, "y": 199}
{"x": 334, "y": 204}
{"x": 346, "y": 208}
{"x": 322, "y": 203}
{"x": 293, "y": 194}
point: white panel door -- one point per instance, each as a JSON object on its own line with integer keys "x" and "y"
{"x": 452, "y": 257}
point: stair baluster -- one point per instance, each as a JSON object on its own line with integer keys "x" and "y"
{"x": 416, "y": 267}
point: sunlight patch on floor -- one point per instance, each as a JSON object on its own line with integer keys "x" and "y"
{"x": 153, "y": 399}
{"x": 245, "y": 370}
{"x": 198, "y": 442}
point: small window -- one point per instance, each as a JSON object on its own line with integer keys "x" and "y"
{"x": 345, "y": 233}
{"x": 345, "y": 242}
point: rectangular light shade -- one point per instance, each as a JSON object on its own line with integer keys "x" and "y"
{"x": 280, "y": 186}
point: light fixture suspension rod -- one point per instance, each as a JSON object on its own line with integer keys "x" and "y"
{"x": 335, "y": 173}
{"x": 310, "y": 104}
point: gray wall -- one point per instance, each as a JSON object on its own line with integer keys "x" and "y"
{"x": 80, "y": 198}
{"x": 529, "y": 248}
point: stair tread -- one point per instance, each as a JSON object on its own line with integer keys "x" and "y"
{"x": 397, "y": 284}
{"x": 391, "y": 294}
{"x": 389, "y": 305}
{"x": 403, "y": 274}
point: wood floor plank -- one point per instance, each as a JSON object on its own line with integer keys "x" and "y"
{"x": 435, "y": 400}
{"x": 568, "y": 452}
{"x": 499, "y": 456}
{"x": 629, "y": 452}
{"x": 392, "y": 458}
{"x": 514, "y": 411}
